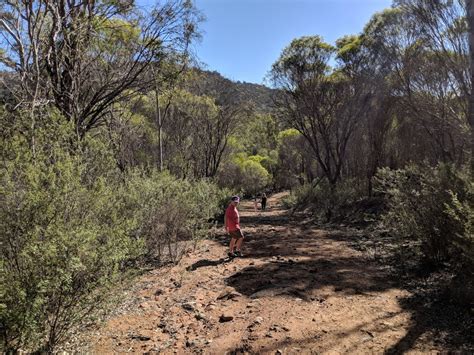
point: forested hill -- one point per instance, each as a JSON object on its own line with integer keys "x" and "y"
{"x": 209, "y": 83}
{"x": 212, "y": 83}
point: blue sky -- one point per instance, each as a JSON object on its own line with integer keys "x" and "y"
{"x": 243, "y": 38}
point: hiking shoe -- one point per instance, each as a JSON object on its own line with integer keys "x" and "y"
{"x": 231, "y": 255}
{"x": 239, "y": 253}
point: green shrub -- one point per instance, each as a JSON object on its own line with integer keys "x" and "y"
{"x": 431, "y": 207}
{"x": 172, "y": 212}
{"x": 71, "y": 222}
{"x": 324, "y": 201}
{"x": 245, "y": 174}
{"x": 64, "y": 235}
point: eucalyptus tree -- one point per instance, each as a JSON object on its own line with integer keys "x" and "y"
{"x": 323, "y": 104}
{"x": 446, "y": 28}
{"x": 84, "y": 56}
{"x": 429, "y": 40}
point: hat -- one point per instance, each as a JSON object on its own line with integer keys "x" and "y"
{"x": 235, "y": 198}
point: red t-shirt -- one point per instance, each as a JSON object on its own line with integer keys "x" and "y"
{"x": 232, "y": 218}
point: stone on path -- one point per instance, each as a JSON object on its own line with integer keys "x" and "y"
{"x": 225, "y": 318}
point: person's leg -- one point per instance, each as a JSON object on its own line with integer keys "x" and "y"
{"x": 232, "y": 245}
{"x": 239, "y": 244}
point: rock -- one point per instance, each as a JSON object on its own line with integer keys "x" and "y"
{"x": 200, "y": 316}
{"x": 228, "y": 294}
{"x": 225, "y": 318}
{"x": 189, "y": 306}
{"x": 140, "y": 337}
{"x": 159, "y": 292}
{"x": 278, "y": 352}
{"x": 210, "y": 307}
{"x": 370, "y": 334}
{"x": 286, "y": 329}
{"x": 258, "y": 320}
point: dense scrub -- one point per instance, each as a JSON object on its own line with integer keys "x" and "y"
{"x": 432, "y": 206}
{"x": 72, "y": 223}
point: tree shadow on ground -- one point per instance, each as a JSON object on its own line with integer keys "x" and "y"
{"x": 313, "y": 340}
{"x": 262, "y": 219}
{"x": 448, "y": 324}
{"x": 303, "y": 279}
{"x": 283, "y": 240}
{"x": 434, "y": 317}
{"x": 207, "y": 262}
{"x": 434, "y": 313}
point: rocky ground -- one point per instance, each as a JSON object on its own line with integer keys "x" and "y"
{"x": 298, "y": 289}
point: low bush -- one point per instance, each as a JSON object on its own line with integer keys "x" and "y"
{"x": 71, "y": 223}
{"x": 246, "y": 175}
{"x": 433, "y": 207}
{"x": 63, "y": 237}
{"x": 325, "y": 202}
{"x": 172, "y": 212}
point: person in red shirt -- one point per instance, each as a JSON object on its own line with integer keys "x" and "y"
{"x": 232, "y": 226}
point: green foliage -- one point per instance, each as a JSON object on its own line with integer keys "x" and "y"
{"x": 258, "y": 133}
{"x": 432, "y": 207}
{"x": 245, "y": 174}
{"x": 324, "y": 200}
{"x": 293, "y": 159}
{"x": 64, "y": 234}
{"x": 115, "y": 34}
{"x": 306, "y": 55}
{"x": 348, "y": 47}
{"x": 71, "y": 222}
{"x": 287, "y": 134}
{"x": 171, "y": 212}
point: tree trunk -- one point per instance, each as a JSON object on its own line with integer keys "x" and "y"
{"x": 470, "y": 20}
{"x": 159, "y": 122}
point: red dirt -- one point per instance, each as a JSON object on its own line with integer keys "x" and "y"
{"x": 298, "y": 289}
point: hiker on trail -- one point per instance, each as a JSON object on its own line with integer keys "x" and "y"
{"x": 264, "y": 201}
{"x": 232, "y": 226}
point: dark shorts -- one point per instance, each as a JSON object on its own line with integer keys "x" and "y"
{"x": 236, "y": 234}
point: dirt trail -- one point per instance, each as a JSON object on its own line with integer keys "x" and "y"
{"x": 298, "y": 289}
